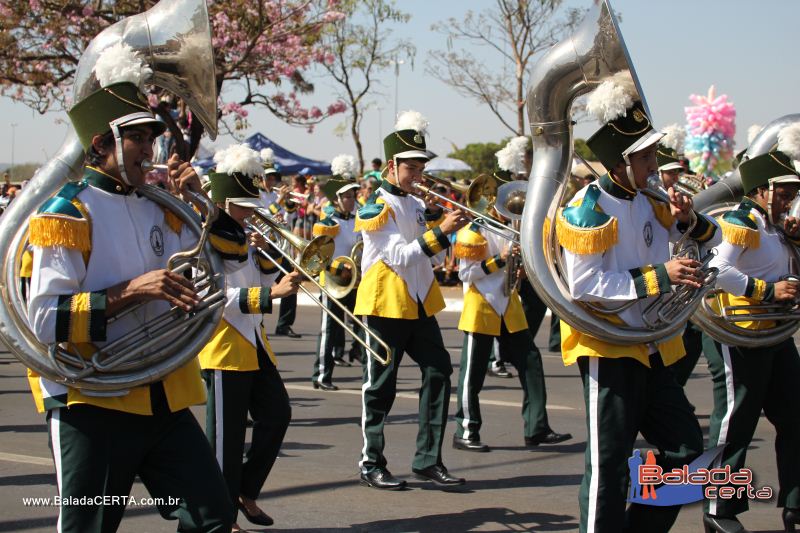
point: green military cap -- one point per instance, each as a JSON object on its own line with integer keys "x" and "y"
{"x": 759, "y": 171}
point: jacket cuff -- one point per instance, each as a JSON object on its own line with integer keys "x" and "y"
{"x": 433, "y": 241}
{"x": 493, "y": 264}
{"x": 759, "y": 290}
{"x": 255, "y": 300}
{"x": 651, "y": 280}
{"x": 81, "y": 317}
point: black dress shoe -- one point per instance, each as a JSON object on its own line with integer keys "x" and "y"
{"x": 339, "y": 361}
{"x": 499, "y": 371}
{"x": 380, "y": 478}
{"x": 721, "y": 524}
{"x": 791, "y": 518}
{"x": 439, "y": 475}
{"x": 551, "y": 437}
{"x": 288, "y": 332}
{"x": 470, "y": 445}
{"x": 260, "y": 519}
{"x": 325, "y": 386}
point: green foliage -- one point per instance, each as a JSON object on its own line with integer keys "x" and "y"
{"x": 480, "y": 156}
{"x": 582, "y": 149}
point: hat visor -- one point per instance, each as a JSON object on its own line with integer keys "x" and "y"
{"x": 414, "y": 154}
{"x": 142, "y": 119}
{"x": 789, "y": 178}
{"x": 645, "y": 141}
{"x": 255, "y": 203}
{"x": 348, "y": 187}
{"x": 670, "y": 166}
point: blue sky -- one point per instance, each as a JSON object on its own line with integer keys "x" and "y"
{"x": 747, "y": 49}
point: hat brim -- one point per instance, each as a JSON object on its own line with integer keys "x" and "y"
{"x": 348, "y": 187}
{"x": 646, "y": 141}
{"x": 142, "y": 119}
{"x": 414, "y": 154}
{"x": 670, "y": 166}
{"x": 255, "y": 203}
{"x": 789, "y": 178}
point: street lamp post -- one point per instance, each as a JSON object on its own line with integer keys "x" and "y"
{"x": 397, "y": 63}
{"x": 380, "y": 129}
{"x": 13, "y": 131}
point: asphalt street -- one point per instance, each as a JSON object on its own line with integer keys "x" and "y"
{"x": 314, "y": 485}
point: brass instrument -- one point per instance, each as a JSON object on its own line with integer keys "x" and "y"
{"x": 576, "y": 65}
{"x": 689, "y": 184}
{"x": 510, "y": 204}
{"x": 720, "y": 322}
{"x": 315, "y": 256}
{"x": 479, "y": 195}
{"x": 356, "y": 253}
{"x": 174, "y": 38}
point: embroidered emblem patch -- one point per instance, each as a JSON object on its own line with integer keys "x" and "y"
{"x": 647, "y": 233}
{"x": 157, "y": 241}
{"x": 420, "y": 217}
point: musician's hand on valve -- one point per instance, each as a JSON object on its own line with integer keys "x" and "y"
{"x": 160, "y": 284}
{"x": 505, "y": 253}
{"x": 183, "y": 178}
{"x": 288, "y": 285}
{"x": 684, "y": 272}
{"x": 453, "y": 221}
{"x": 258, "y": 240}
{"x": 680, "y": 205}
{"x": 786, "y": 291}
{"x": 791, "y": 226}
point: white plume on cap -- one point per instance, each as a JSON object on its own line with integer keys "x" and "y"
{"x": 789, "y": 141}
{"x": 752, "y": 132}
{"x": 612, "y": 98}
{"x": 267, "y": 155}
{"x": 512, "y": 156}
{"x": 344, "y": 165}
{"x": 120, "y": 63}
{"x": 239, "y": 158}
{"x": 411, "y": 120}
{"x": 674, "y": 137}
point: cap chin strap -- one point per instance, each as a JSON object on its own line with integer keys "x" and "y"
{"x": 629, "y": 172}
{"x": 119, "y": 152}
{"x": 769, "y": 204}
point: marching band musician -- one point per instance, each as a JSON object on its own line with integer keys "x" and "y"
{"x": 491, "y": 315}
{"x": 615, "y": 245}
{"x": 98, "y": 248}
{"x": 239, "y": 366}
{"x": 669, "y": 170}
{"x": 339, "y": 224}
{"x": 753, "y": 258}
{"x": 271, "y": 191}
{"x": 399, "y": 297}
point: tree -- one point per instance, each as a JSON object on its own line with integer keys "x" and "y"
{"x": 263, "y": 46}
{"x": 516, "y": 31}
{"x": 480, "y": 156}
{"x": 360, "y": 52}
{"x": 582, "y": 149}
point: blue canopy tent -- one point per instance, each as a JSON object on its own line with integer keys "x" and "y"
{"x": 285, "y": 161}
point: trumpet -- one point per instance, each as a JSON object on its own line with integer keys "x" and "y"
{"x": 480, "y": 196}
{"x": 510, "y": 204}
{"x": 315, "y": 255}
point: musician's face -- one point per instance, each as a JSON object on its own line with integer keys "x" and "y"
{"x": 782, "y": 197}
{"x": 643, "y": 163}
{"x": 347, "y": 201}
{"x": 407, "y": 173}
{"x": 239, "y": 212}
{"x": 137, "y": 146}
{"x": 670, "y": 177}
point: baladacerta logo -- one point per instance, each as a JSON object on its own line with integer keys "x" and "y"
{"x": 652, "y": 485}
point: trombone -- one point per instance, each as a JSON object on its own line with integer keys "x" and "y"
{"x": 315, "y": 255}
{"x": 479, "y": 197}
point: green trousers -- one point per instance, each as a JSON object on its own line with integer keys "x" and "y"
{"x": 231, "y": 395}
{"x": 422, "y": 340}
{"x": 518, "y": 349}
{"x": 693, "y": 342}
{"x": 623, "y": 398}
{"x": 332, "y": 339}
{"x": 99, "y": 452}
{"x": 747, "y": 381}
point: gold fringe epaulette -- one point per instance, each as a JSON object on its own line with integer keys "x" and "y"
{"x": 583, "y": 241}
{"x": 372, "y": 217}
{"x": 739, "y": 234}
{"x": 470, "y": 244}
{"x": 662, "y": 212}
{"x": 325, "y": 229}
{"x": 172, "y": 220}
{"x": 60, "y": 230}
